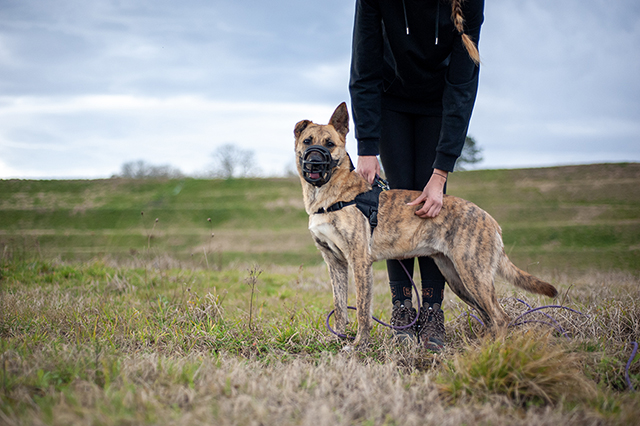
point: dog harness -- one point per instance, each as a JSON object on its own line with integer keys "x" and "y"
{"x": 367, "y": 202}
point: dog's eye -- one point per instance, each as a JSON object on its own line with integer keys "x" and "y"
{"x": 307, "y": 141}
{"x": 330, "y": 143}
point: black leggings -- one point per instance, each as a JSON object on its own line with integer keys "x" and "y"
{"x": 407, "y": 151}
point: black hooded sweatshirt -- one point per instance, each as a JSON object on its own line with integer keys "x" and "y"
{"x": 407, "y": 56}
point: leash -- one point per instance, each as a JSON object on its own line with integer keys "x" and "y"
{"x": 553, "y": 324}
{"x": 516, "y": 322}
{"x": 399, "y": 327}
{"x": 556, "y": 325}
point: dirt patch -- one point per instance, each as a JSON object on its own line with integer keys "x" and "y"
{"x": 586, "y": 214}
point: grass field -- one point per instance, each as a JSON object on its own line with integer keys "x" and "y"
{"x": 567, "y": 217}
{"x": 108, "y": 316}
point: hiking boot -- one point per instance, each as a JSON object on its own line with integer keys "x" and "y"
{"x": 430, "y": 328}
{"x": 403, "y": 314}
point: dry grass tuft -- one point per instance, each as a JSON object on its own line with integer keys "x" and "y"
{"x": 523, "y": 368}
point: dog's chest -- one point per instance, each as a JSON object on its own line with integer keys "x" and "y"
{"x": 325, "y": 234}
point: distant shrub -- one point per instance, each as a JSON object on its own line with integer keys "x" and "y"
{"x": 142, "y": 170}
{"x": 471, "y": 154}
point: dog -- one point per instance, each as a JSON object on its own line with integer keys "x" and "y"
{"x": 464, "y": 240}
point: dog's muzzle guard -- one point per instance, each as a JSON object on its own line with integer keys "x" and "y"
{"x": 317, "y": 165}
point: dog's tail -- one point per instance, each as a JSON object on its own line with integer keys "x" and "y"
{"x": 524, "y": 280}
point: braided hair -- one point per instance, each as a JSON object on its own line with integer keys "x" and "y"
{"x": 458, "y": 20}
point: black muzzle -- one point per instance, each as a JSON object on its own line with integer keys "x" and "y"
{"x": 317, "y": 165}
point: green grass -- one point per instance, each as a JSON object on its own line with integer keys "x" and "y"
{"x": 563, "y": 217}
{"x": 106, "y": 344}
{"x": 107, "y": 317}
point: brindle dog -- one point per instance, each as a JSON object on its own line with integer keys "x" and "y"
{"x": 465, "y": 242}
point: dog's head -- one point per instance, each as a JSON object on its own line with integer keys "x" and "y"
{"x": 321, "y": 148}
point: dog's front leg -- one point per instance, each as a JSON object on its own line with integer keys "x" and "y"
{"x": 363, "y": 278}
{"x": 339, "y": 273}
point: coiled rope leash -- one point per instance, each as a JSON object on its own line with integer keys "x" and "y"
{"x": 399, "y": 327}
{"x": 556, "y": 325}
{"x": 516, "y": 322}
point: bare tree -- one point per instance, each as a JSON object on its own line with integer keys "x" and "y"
{"x": 142, "y": 170}
{"x": 229, "y": 161}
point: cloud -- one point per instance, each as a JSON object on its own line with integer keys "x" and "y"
{"x": 221, "y": 49}
{"x": 557, "y": 82}
{"x": 87, "y": 86}
{"x": 92, "y": 136}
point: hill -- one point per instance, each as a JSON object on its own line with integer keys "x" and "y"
{"x": 573, "y": 217}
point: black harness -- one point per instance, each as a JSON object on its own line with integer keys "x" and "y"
{"x": 367, "y": 202}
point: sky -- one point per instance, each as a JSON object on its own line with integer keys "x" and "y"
{"x": 86, "y": 86}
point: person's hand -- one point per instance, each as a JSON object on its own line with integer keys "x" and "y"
{"x": 368, "y": 167}
{"x": 432, "y": 195}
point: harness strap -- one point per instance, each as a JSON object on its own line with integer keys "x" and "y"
{"x": 366, "y": 202}
{"x": 337, "y": 206}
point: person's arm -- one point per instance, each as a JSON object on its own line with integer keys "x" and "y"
{"x": 458, "y": 100}
{"x": 365, "y": 85}
{"x": 368, "y": 167}
{"x": 460, "y": 91}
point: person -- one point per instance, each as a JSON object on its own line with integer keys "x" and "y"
{"x": 413, "y": 85}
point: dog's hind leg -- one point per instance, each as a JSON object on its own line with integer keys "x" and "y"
{"x": 475, "y": 288}
{"x": 453, "y": 280}
{"x": 479, "y": 285}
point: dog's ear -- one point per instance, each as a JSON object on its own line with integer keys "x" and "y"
{"x": 340, "y": 120}
{"x": 300, "y": 126}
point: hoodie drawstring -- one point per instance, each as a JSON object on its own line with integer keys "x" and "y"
{"x": 406, "y": 21}
{"x": 437, "y": 18}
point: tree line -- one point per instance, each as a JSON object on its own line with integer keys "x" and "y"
{"x": 230, "y": 161}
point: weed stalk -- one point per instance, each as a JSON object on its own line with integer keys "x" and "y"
{"x": 204, "y": 248}
{"x": 251, "y": 281}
